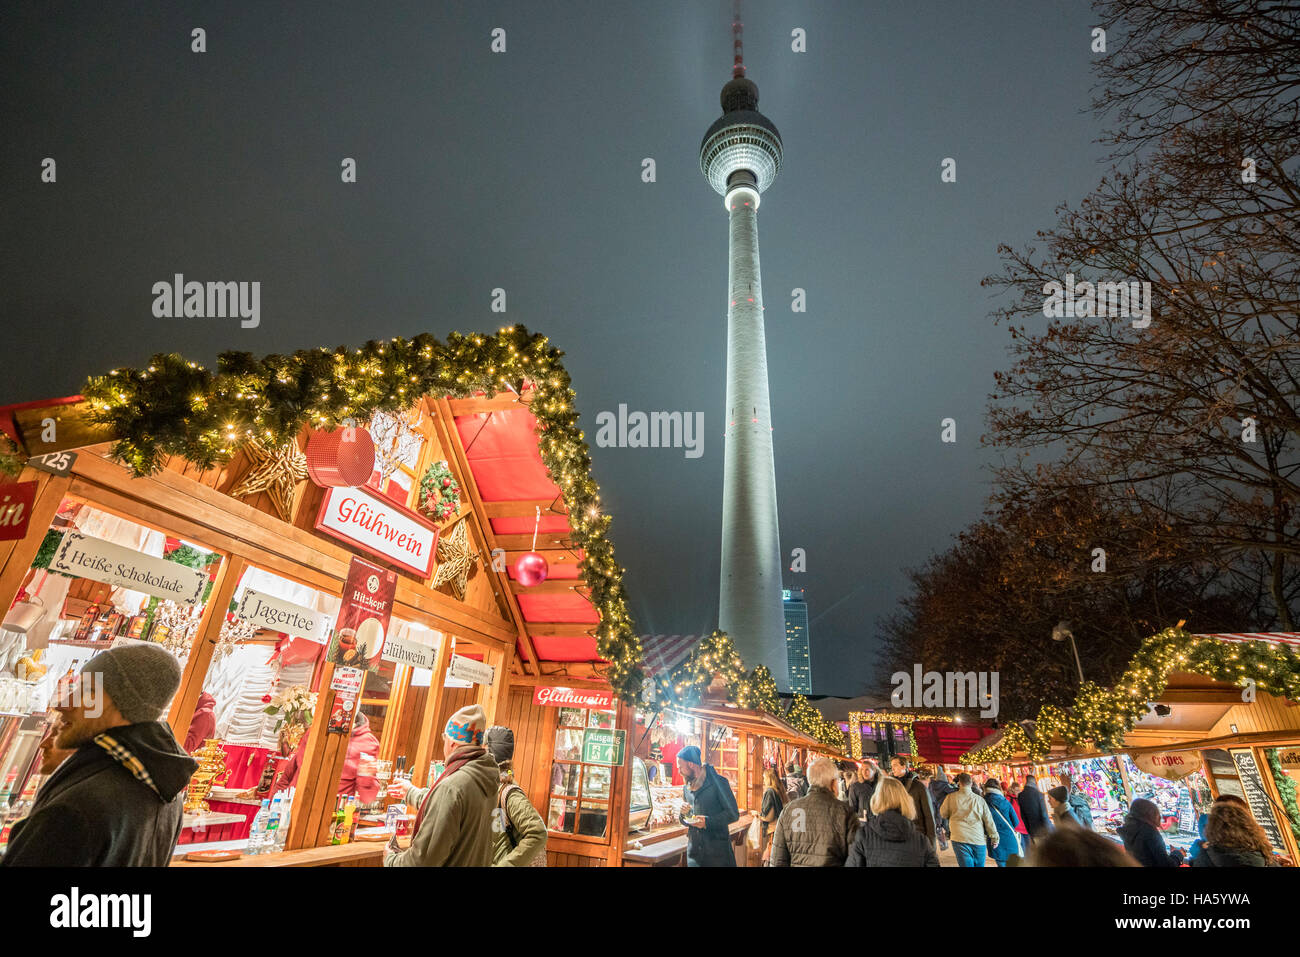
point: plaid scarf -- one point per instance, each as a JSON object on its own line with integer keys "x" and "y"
{"x": 123, "y": 756}
{"x": 457, "y": 760}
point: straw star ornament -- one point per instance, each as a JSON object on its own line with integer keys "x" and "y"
{"x": 455, "y": 561}
{"x": 275, "y": 471}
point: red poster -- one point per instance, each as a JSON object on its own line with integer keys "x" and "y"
{"x": 573, "y": 697}
{"x": 16, "y": 500}
{"x": 362, "y": 624}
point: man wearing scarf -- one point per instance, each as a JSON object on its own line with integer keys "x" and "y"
{"x": 453, "y": 827}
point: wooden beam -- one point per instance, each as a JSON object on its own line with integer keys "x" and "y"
{"x": 556, "y": 629}
{"x": 552, "y": 586}
{"x": 501, "y": 402}
{"x": 429, "y": 735}
{"x": 559, "y": 681}
{"x": 73, "y": 428}
{"x": 205, "y": 640}
{"x": 396, "y": 705}
{"x": 551, "y": 508}
{"x": 1200, "y": 696}
{"x": 496, "y": 695}
{"x": 545, "y": 541}
{"x": 620, "y": 787}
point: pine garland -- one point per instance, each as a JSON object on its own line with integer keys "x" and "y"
{"x": 177, "y": 407}
{"x": 1287, "y": 789}
{"x": 1103, "y": 717}
{"x": 11, "y": 460}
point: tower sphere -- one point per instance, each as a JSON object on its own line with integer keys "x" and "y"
{"x": 741, "y": 139}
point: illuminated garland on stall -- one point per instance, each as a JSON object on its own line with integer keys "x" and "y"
{"x": 1102, "y": 717}
{"x": 717, "y": 656}
{"x": 177, "y": 407}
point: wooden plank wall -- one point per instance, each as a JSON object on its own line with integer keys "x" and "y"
{"x": 1266, "y": 713}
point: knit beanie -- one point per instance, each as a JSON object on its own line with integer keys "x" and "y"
{"x": 690, "y": 753}
{"x": 1058, "y": 794}
{"x": 467, "y": 725}
{"x": 500, "y": 743}
{"x": 140, "y": 679}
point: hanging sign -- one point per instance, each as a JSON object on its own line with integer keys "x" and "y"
{"x": 362, "y": 622}
{"x": 84, "y": 557}
{"x": 276, "y": 614}
{"x": 407, "y": 652}
{"x": 56, "y": 463}
{"x": 1170, "y": 765}
{"x": 467, "y": 669}
{"x": 361, "y": 518}
{"x": 573, "y": 697}
{"x": 1290, "y": 758}
{"x": 603, "y": 746}
{"x": 1261, "y": 808}
{"x": 16, "y": 501}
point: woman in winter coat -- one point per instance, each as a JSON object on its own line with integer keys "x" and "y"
{"x": 1013, "y": 796}
{"x": 1006, "y": 819}
{"x": 773, "y": 805}
{"x": 1141, "y": 835}
{"x": 1062, "y": 813}
{"x": 888, "y": 838}
{"x": 1233, "y": 839}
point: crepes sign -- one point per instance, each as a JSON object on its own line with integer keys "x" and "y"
{"x": 1170, "y": 765}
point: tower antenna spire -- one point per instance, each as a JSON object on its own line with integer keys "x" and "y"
{"x": 737, "y": 28}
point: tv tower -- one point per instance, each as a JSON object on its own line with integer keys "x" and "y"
{"x": 740, "y": 156}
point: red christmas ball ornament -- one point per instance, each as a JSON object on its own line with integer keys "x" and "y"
{"x": 446, "y": 482}
{"x": 531, "y": 569}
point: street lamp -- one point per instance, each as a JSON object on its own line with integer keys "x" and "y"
{"x": 1061, "y": 632}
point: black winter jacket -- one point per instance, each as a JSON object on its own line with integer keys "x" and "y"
{"x": 860, "y": 796}
{"x": 1145, "y": 844}
{"x": 1033, "y": 811}
{"x": 1214, "y": 856}
{"x": 710, "y": 846}
{"x": 925, "y": 813}
{"x": 890, "y": 840}
{"x": 93, "y": 812}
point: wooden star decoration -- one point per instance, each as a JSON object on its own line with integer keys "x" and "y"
{"x": 276, "y": 472}
{"x": 455, "y": 560}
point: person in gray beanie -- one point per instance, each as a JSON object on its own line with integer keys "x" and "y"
{"x": 116, "y": 802}
{"x": 519, "y": 834}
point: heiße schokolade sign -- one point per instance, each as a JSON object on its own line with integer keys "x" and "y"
{"x": 84, "y": 557}
{"x": 572, "y": 697}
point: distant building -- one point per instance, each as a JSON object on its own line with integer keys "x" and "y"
{"x": 796, "y": 640}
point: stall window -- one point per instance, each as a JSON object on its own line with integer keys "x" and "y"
{"x": 580, "y": 792}
{"x": 404, "y": 476}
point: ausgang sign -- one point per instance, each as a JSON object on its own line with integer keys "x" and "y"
{"x": 84, "y": 557}
{"x": 572, "y": 697}
{"x": 359, "y": 516}
{"x": 1170, "y": 765}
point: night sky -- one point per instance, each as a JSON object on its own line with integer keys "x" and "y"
{"x": 522, "y": 171}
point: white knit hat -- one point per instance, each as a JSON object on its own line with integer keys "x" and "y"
{"x": 467, "y": 725}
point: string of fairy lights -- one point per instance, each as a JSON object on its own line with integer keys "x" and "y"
{"x": 1102, "y": 717}
{"x": 177, "y": 407}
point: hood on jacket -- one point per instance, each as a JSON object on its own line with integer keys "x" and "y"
{"x": 206, "y": 702}
{"x": 153, "y": 745}
{"x": 891, "y": 826}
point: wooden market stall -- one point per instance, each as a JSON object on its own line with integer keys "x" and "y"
{"x": 261, "y": 521}
{"x": 1200, "y": 736}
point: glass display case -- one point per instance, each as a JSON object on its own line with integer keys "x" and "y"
{"x": 580, "y": 793}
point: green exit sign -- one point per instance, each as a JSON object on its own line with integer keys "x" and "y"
{"x": 602, "y": 746}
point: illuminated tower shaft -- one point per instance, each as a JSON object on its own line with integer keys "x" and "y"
{"x": 740, "y": 156}
{"x": 750, "y": 607}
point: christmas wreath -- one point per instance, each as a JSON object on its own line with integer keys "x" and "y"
{"x": 439, "y": 493}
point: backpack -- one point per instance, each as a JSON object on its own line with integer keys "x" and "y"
{"x": 507, "y": 827}
{"x": 1079, "y": 805}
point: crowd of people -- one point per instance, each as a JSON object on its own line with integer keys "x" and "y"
{"x": 117, "y": 782}
{"x": 868, "y": 817}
